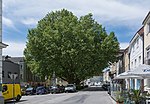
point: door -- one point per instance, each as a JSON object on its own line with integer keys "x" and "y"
{"x": 6, "y": 92}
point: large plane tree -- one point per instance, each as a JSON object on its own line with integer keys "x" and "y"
{"x": 74, "y": 48}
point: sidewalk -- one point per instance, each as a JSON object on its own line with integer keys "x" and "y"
{"x": 112, "y": 99}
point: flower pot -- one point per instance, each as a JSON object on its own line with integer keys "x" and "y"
{"x": 119, "y": 102}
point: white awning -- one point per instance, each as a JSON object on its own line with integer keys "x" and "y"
{"x": 142, "y": 70}
{"x": 127, "y": 75}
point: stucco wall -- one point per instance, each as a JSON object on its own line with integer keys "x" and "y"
{"x": 136, "y": 51}
{"x": 126, "y": 58}
{"x": 146, "y": 44}
{"x": 146, "y": 39}
{"x": 9, "y": 66}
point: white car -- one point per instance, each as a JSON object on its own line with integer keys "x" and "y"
{"x": 70, "y": 88}
{"x": 97, "y": 83}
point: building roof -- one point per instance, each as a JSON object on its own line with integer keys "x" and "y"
{"x": 14, "y": 59}
{"x": 17, "y": 59}
{"x": 140, "y": 32}
{"x": 126, "y": 50}
{"x": 145, "y": 19}
{"x": 2, "y": 45}
{"x": 121, "y": 51}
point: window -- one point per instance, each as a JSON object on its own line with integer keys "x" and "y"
{"x": 4, "y": 88}
{"x": 148, "y": 83}
{"x": 148, "y": 27}
{"x": 148, "y": 62}
{"x": 3, "y": 74}
{"x": 137, "y": 43}
{"x": 148, "y": 54}
{"x": 135, "y": 63}
{"x": 133, "y": 47}
{"x": 20, "y": 66}
{"x": 139, "y": 59}
{"x": 9, "y": 74}
{"x": 16, "y": 74}
{"x": 132, "y": 83}
{"x": 131, "y": 64}
{"x": 21, "y": 76}
{"x": 138, "y": 83}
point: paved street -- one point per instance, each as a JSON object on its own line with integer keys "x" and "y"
{"x": 81, "y": 97}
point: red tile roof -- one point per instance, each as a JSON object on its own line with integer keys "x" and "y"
{"x": 141, "y": 31}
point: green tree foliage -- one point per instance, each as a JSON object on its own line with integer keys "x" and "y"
{"x": 75, "y": 48}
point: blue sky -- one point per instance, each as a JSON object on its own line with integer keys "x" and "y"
{"x": 124, "y": 17}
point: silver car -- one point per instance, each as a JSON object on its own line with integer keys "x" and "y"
{"x": 70, "y": 88}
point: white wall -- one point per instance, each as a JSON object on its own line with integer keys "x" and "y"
{"x": 106, "y": 76}
{"x": 136, "y": 54}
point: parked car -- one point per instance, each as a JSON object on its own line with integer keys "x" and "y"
{"x": 70, "y": 88}
{"x": 23, "y": 91}
{"x": 106, "y": 86}
{"x": 41, "y": 90}
{"x": 62, "y": 88}
{"x": 56, "y": 89}
{"x": 30, "y": 91}
{"x": 97, "y": 83}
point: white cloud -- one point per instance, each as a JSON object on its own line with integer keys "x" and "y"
{"x": 7, "y": 22}
{"x": 110, "y": 11}
{"x": 106, "y": 12}
{"x": 14, "y": 49}
{"x": 29, "y": 21}
{"x": 17, "y": 48}
{"x": 124, "y": 45}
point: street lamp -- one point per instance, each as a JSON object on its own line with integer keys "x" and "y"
{"x": 54, "y": 79}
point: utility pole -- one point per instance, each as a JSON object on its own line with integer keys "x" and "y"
{"x": 1, "y": 97}
{"x": 2, "y": 45}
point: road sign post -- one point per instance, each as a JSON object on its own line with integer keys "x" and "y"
{"x": 13, "y": 77}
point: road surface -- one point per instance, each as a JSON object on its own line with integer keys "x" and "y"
{"x": 88, "y": 96}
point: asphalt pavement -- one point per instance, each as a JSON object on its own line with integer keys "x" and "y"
{"x": 92, "y": 95}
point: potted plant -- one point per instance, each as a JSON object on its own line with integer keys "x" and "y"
{"x": 137, "y": 96}
{"x": 119, "y": 98}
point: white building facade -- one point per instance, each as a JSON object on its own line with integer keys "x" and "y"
{"x": 136, "y": 54}
{"x": 146, "y": 24}
{"x": 106, "y": 77}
